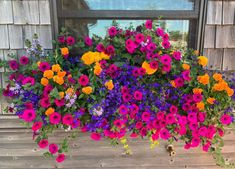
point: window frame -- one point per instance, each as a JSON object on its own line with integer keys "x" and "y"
{"x": 195, "y": 17}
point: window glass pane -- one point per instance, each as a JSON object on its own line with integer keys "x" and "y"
{"x": 128, "y": 4}
{"x": 178, "y": 29}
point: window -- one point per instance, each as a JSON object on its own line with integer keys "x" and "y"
{"x": 86, "y": 17}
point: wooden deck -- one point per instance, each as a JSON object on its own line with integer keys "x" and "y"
{"x": 18, "y": 150}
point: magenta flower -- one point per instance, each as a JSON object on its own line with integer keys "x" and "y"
{"x": 88, "y": 41}
{"x": 166, "y": 60}
{"x": 143, "y": 131}
{"x": 182, "y": 120}
{"x": 173, "y": 109}
{"x": 166, "y": 44}
{"x": 53, "y": 148}
{"x": 186, "y": 75}
{"x": 61, "y": 39}
{"x": 154, "y": 64}
{"x": 24, "y": 60}
{"x": 37, "y": 125}
{"x": 170, "y": 119}
{"x": 206, "y": 146}
{"x": 55, "y": 118}
{"x": 29, "y": 115}
{"x": 135, "y": 72}
{"x": 151, "y": 47}
{"x": 134, "y": 108}
{"x": 67, "y": 119}
{"x": 100, "y": 47}
{"x": 179, "y": 82}
{"x": 118, "y": 123}
{"x": 148, "y": 24}
{"x": 165, "y": 37}
{"x": 160, "y": 115}
{"x": 95, "y": 136}
{"x": 125, "y": 90}
{"x": 44, "y": 66}
{"x": 70, "y": 40}
{"x": 28, "y": 80}
{"x": 13, "y": 64}
{"x": 110, "y": 50}
{"x": 112, "y": 31}
{"x": 146, "y": 116}
{"x": 60, "y": 158}
{"x": 226, "y": 119}
{"x": 139, "y": 37}
{"x": 126, "y": 97}
{"x": 201, "y": 116}
{"x": 141, "y": 71}
{"x": 177, "y": 55}
{"x": 192, "y": 117}
{"x": 202, "y": 131}
{"x": 83, "y": 80}
{"x": 123, "y": 110}
{"x": 160, "y": 32}
{"x": 59, "y": 102}
{"x": 195, "y": 142}
{"x": 45, "y": 102}
{"x": 139, "y": 125}
{"x": 165, "y": 134}
{"x": 43, "y": 143}
{"x": 138, "y": 95}
{"x": 197, "y": 97}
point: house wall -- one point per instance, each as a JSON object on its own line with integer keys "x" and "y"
{"x": 219, "y": 41}
{"x": 19, "y": 20}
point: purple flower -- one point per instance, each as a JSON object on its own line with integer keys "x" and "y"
{"x": 88, "y": 41}
{"x": 24, "y": 60}
{"x": 70, "y": 40}
{"x": 13, "y": 64}
{"x": 112, "y": 31}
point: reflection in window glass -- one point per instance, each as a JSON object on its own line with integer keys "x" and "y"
{"x": 129, "y": 4}
{"x": 178, "y": 29}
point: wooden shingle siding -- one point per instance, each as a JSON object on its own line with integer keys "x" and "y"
{"x": 45, "y": 34}
{"x": 29, "y": 31}
{"x": 229, "y": 12}
{"x": 214, "y": 12}
{"x": 215, "y": 57}
{"x": 225, "y": 36}
{"x": 229, "y": 59}
{"x": 26, "y": 12}
{"x": 209, "y": 36}
{"x": 1, "y": 58}
{"x": 16, "y": 36}
{"x": 6, "y": 14}
{"x": 44, "y": 10}
{"x": 4, "y": 38}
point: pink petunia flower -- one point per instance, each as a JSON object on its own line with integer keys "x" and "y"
{"x": 195, "y": 142}
{"x": 126, "y": 97}
{"x": 151, "y": 47}
{"x": 166, "y": 59}
{"x": 165, "y": 134}
{"x": 118, "y": 123}
{"x": 29, "y": 115}
{"x": 160, "y": 32}
{"x": 186, "y": 75}
{"x": 154, "y": 64}
{"x": 43, "y": 143}
{"x": 173, "y": 109}
{"x": 146, "y": 116}
{"x": 110, "y": 50}
{"x": 139, "y": 37}
{"x": 13, "y": 64}
{"x": 83, "y": 80}
{"x": 202, "y": 131}
{"x": 112, "y": 31}
{"x": 43, "y": 66}
{"x": 179, "y": 82}
{"x": 135, "y": 72}
{"x": 148, "y": 24}
{"x": 226, "y": 119}
{"x": 123, "y": 110}
{"x": 61, "y": 39}
{"x": 166, "y": 44}
{"x": 138, "y": 95}
{"x": 141, "y": 71}
{"x": 88, "y": 41}
{"x": 59, "y": 102}
{"x": 37, "y": 125}
{"x": 53, "y": 148}
{"x": 95, "y": 136}
{"x": 177, "y": 55}
{"x": 70, "y": 40}
{"x": 100, "y": 47}
{"x": 60, "y": 158}
{"x": 170, "y": 119}
{"x": 197, "y": 98}
{"x": 67, "y": 119}
{"x": 28, "y": 80}
{"x": 45, "y": 102}
{"x": 24, "y": 60}
{"x": 55, "y": 118}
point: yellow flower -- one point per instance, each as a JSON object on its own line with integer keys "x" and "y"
{"x": 123, "y": 141}
{"x": 202, "y": 60}
{"x": 160, "y": 52}
{"x": 97, "y": 69}
{"x": 148, "y": 69}
{"x": 109, "y": 85}
{"x": 173, "y": 83}
{"x": 38, "y": 63}
{"x": 211, "y": 100}
{"x": 186, "y": 66}
{"x": 61, "y": 95}
{"x": 70, "y": 91}
{"x": 203, "y": 79}
{"x": 61, "y": 74}
{"x": 218, "y": 77}
{"x": 196, "y": 52}
{"x": 64, "y": 51}
{"x": 44, "y": 81}
{"x": 197, "y": 91}
{"x": 59, "y": 80}
{"x": 229, "y": 91}
{"x": 200, "y": 106}
{"x": 88, "y": 58}
{"x": 49, "y": 111}
{"x": 48, "y": 74}
{"x": 104, "y": 56}
{"x": 87, "y": 90}
{"x": 97, "y": 56}
{"x": 56, "y": 68}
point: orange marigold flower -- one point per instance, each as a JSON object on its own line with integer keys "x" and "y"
{"x": 229, "y": 91}
{"x": 61, "y": 95}
{"x": 148, "y": 69}
{"x": 48, "y": 74}
{"x": 109, "y": 85}
{"x": 197, "y": 91}
{"x": 56, "y": 68}
{"x": 59, "y": 80}
{"x": 64, "y": 51}
{"x": 186, "y": 66}
{"x": 44, "y": 81}
{"x": 218, "y": 77}
{"x": 88, "y": 58}
{"x": 87, "y": 90}
{"x": 49, "y": 111}
{"x": 203, "y": 79}
{"x": 200, "y": 106}
{"x": 202, "y": 60}
{"x": 97, "y": 69}
{"x": 61, "y": 74}
{"x": 222, "y": 85}
{"x": 173, "y": 83}
{"x": 211, "y": 100}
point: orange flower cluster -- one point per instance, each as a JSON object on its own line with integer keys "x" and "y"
{"x": 204, "y": 79}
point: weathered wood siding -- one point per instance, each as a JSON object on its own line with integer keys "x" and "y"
{"x": 19, "y": 20}
{"x": 219, "y": 41}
